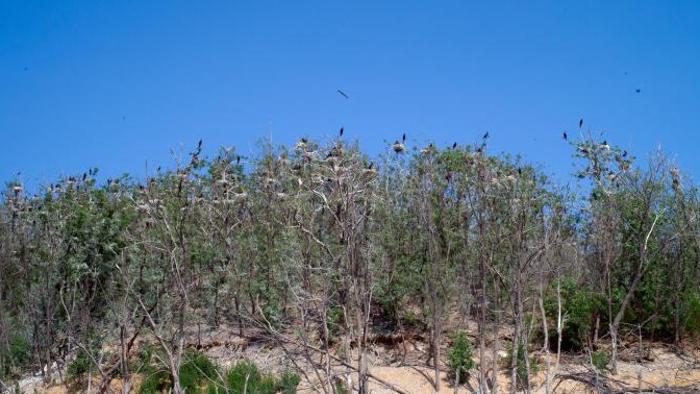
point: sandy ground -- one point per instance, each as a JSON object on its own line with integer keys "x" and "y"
{"x": 403, "y": 366}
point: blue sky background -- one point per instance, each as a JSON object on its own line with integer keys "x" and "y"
{"x": 116, "y": 84}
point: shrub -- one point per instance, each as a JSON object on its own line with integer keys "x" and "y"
{"x": 196, "y": 371}
{"x": 245, "y": 377}
{"x": 79, "y": 366}
{"x": 15, "y": 357}
{"x": 520, "y": 365}
{"x": 600, "y": 360}
{"x": 460, "y": 356}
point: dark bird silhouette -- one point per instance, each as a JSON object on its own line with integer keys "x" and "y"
{"x": 84, "y": 176}
{"x": 158, "y": 169}
{"x": 454, "y": 146}
{"x": 403, "y": 138}
{"x": 370, "y": 166}
{"x": 342, "y": 130}
{"x": 566, "y": 137}
{"x": 343, "y": 94}
{"x": 486, "y": 135}
{"x": 638, "y": 90}
{"x": 199, "y": 144}
{"x": 580, "y": 123}
{"x": 624, "y": 153}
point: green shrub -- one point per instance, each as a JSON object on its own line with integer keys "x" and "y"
{"x": 15, "y": 357}
{"x": 691, "y": 313}
{"x": 245, "y": 377}
{"x": 195, "y": 371}
{"x": 79, "y": 366}
{"x": 520, "y": 365}
{"x": 335, "y": 317}
{"x": 600, "y": 360}
{"x": 460, "y": 356}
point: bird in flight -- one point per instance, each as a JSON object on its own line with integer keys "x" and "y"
{"x": 342, "y": 130}
{"x": 340, "y": 92}
{"x": 580, "y": 123}
{"x": 403, "y": 138}
{"x": 638, "y": 90}
{"x": 486, "y": 135}
{"x": 566, "y": 137}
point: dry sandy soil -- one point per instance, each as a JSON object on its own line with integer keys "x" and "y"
{"x": 402, "y": 365}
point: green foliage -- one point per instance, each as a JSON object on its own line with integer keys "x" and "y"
{"x": 335, "y": 317}
{"x": 245, "y": 377}
{"x": 16, "y": 357}
{"x": 196, "y": 372}
{"x": 579, "y": 307}
{"x": 521, "y": 366}
{"x": 691, "y": 312}
{"x": 460, "y": 356}
{"x": 600, "y": 360}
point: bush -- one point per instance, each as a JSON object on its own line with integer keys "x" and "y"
{"x": 460, "y": 356}
{"x": 196, "y": 371}
{"x": 15, "y": 357}
{"x": 520, "y": 365}
{"x": 600, "y": 360}
{"x": 245, "y": 377}
{"x": 79, "y": 366}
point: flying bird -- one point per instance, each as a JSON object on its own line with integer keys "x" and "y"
{"x": 580, "y": 123}
{"x": 199, "y": 144}
{"x": 624, "y": 153}
{"x": 454, "y": 146}
{"x": 343, "y": 94}
{"x": 341, "y": 131}
{"x": 566, "y": 137}
{"x": 403, "y": 138}
{"x": 486, "y": 135}
{"x": 638, "y": 90}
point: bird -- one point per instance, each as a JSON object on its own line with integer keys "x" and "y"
{"x": 370, "y": 166}
{"x": 486, "y": 135}
{"x": 304, "y": 140}
{"x": 638, "y": 90}
{"x": 403, "y": 138}
{"x": 580, "y": 123}
{"x": 624, "y": 153}
{"x": 199, "y": 143}
{"x": 454, "y": 146}
{"x": 342, "y": 94}
{"x": 566, "y": 137}
{"x": 238, "y": 160}
{"x": 342, "y": 130}
{"x": 398, "y": 147}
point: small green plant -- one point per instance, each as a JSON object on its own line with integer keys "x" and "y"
{"x": 245, "y": 377}
{"x": 335, "y": 318}
{"x": 196, "y": 371}
{"x": 460, "y": 356}
{"x": 600, "y": 360}
{"x": 79, "y": 366}
{"x": 521, "y": 365}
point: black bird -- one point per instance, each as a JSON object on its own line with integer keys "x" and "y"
{"x": 341, "y": 131}
{"x": 403, "y": 138}
{"x": 624, "y": 153}
{"x": 370, "y": 166}
{"x": 486, "y": 135}
{"x": 454, "y": 146}
{"x": 199, "y": 144}
{"x": 580, "y": 123}
{"x": 342, "y": 94}
{"x": 566, "y": 137}
{"x": 84, "y": 176}
{"x": 638, "y": 90}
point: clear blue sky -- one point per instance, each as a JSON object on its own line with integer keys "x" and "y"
{"x": 114, "y": 84}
